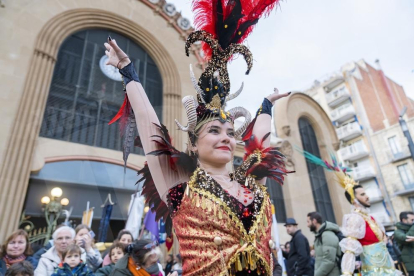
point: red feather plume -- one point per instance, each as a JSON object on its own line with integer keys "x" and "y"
{"x": 272, "y": 160}
{"x": 207, "y": 16}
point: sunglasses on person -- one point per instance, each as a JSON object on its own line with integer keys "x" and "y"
{"x": 151, "y": 245}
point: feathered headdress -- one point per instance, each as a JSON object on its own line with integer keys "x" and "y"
{"x": 222, "y": 25}
{"x": 341, "y": 172}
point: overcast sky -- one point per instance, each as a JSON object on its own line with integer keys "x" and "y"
{"x": 304, "y": 40}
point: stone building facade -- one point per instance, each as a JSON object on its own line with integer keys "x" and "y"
{"x": 57, "y": 98}
{"x": 364, "y": 105}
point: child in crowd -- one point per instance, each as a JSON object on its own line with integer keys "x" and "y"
{"x": 24, "y": 268}
{"x": 116, "y": 252}
{"x": 72, "y": 264}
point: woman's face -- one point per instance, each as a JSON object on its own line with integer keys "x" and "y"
{"x": 126, "y": 239}
{"x": 16, "y": 246}
{"x": 81, "y": 233}
{"x": 62, "y": 240}
{"x": 215, "y": 143}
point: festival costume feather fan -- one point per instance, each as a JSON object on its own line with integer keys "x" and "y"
{"x": 177, "y": 160}
{"x": 341, "y": 172}
{"x": 270, "y": 161}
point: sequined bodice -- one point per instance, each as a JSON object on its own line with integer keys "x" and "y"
{"x": 203, "y": 212}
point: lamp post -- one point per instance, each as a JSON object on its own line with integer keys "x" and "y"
{"x": 406, "y": 131}
{"x": 53, "y": 208}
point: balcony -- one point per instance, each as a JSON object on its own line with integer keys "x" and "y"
{"x": 354, "y": 152}
{"x": 402, "y": 154}
{"x": 337, "y": 96}
{"x": 343, "y": 113}
{"x": 332, "y": 81}
{"x": 407, "y": 190}
{"x": 363, "y": 173}
{"x": 349, "y": 131}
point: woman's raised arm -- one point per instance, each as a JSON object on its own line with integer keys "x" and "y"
{"x": 263, "y": 122}
{"x": 164, "y": 177}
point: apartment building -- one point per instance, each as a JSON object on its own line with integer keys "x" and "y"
{"x": 364, "y": 106}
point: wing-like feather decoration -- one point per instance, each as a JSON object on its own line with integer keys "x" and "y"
{"x": 270, "y": 161}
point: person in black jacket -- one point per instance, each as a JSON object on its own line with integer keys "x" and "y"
{"x": 298, "y": 259}
{"x": 169, "y": 265}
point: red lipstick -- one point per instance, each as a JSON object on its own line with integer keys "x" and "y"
{"x": 224, "y": 148}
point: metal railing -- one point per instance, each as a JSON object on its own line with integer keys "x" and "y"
{"x": 399, "y": 155}
{"x": 354, "y": 151}
{"x": 349, "y": 131}
{"x": 362, "y": 173}
{"x": 337, "y": 96}
{"x": 345, "y": 111}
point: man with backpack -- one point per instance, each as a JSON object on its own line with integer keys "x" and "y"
{"x": 404, "y": 235}
{"x": 327, "y": 251}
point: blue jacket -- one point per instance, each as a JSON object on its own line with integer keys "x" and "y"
{"x": 65, "y": 270}
{"x": 3, "y": 267}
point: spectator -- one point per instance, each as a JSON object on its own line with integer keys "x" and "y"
{"x": 404, "y": 236}
{"x": 285, "y": 252}
{"x": 16, "y": 249}
{"x": 84, "y": 240}
{"x": 178, "y": 266}
{"x": 169, "y": 265}
{"x": 125, "y": 237}
{"x": 277, "y": 268}
{"x": 141, "y": 259}
{"x": 23, "y": 268}
{"x": 298, "y": 259}
{"x": 116, "y": 252}
{"x": 72, "y": 264}
{"x": 326, "y": 247}
{"x": 62, "y": 238}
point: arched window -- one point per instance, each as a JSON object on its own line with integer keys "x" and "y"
{"x": 316, "y": 174}
{"x": 85, "y": 93}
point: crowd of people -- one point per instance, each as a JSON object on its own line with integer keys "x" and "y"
{"x": 73, "y": 252}
{"x": 325, "y": 256}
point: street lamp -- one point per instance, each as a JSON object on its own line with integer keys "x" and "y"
{"x": 53, "y": 208}
{"x": 406, "y": 131}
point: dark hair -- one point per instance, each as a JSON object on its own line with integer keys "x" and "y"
{"x": 116, "y": 244}
{"x": 124, "y": 232}
{"x": 137, "y": 251}
{"x": 348, "y": 196}
{"x": 23, "y": 268}
{"x": 404, "y": 215}
{"x": 316, "y": 216}
{"x": 178, "y": 256}
{"x": 73, "y": 248}
{"x": 27, "y": 252}
{"x": 287, "y": 243}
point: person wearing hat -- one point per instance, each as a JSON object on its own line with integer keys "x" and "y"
{"x": 141, "y": 260}
{"x": 298, "y": 259}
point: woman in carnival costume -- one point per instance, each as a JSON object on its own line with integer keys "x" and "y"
{"x": 221, "y": 219}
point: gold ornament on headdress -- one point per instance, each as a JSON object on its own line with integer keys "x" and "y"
{"x": 348, "y": 183}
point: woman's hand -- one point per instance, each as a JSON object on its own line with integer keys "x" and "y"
{"x": 276, "y": 96}
{"x": 116, "y": 57}
{"x": 88, "y": 242}
{"x": 175, "y": 273}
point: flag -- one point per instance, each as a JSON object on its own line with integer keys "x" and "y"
{"x": 151, "y": 225}
{"x": 275, "y": 237}
{"x": 135, "y": 213}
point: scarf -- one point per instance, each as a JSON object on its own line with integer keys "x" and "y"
{"x": 10, "y": 261}
{"x": 135, "y": 270}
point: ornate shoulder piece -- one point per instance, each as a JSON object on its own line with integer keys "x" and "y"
{"x": 260, "y": 162}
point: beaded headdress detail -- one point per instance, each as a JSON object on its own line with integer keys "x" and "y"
{"x": 222, "y": 25}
